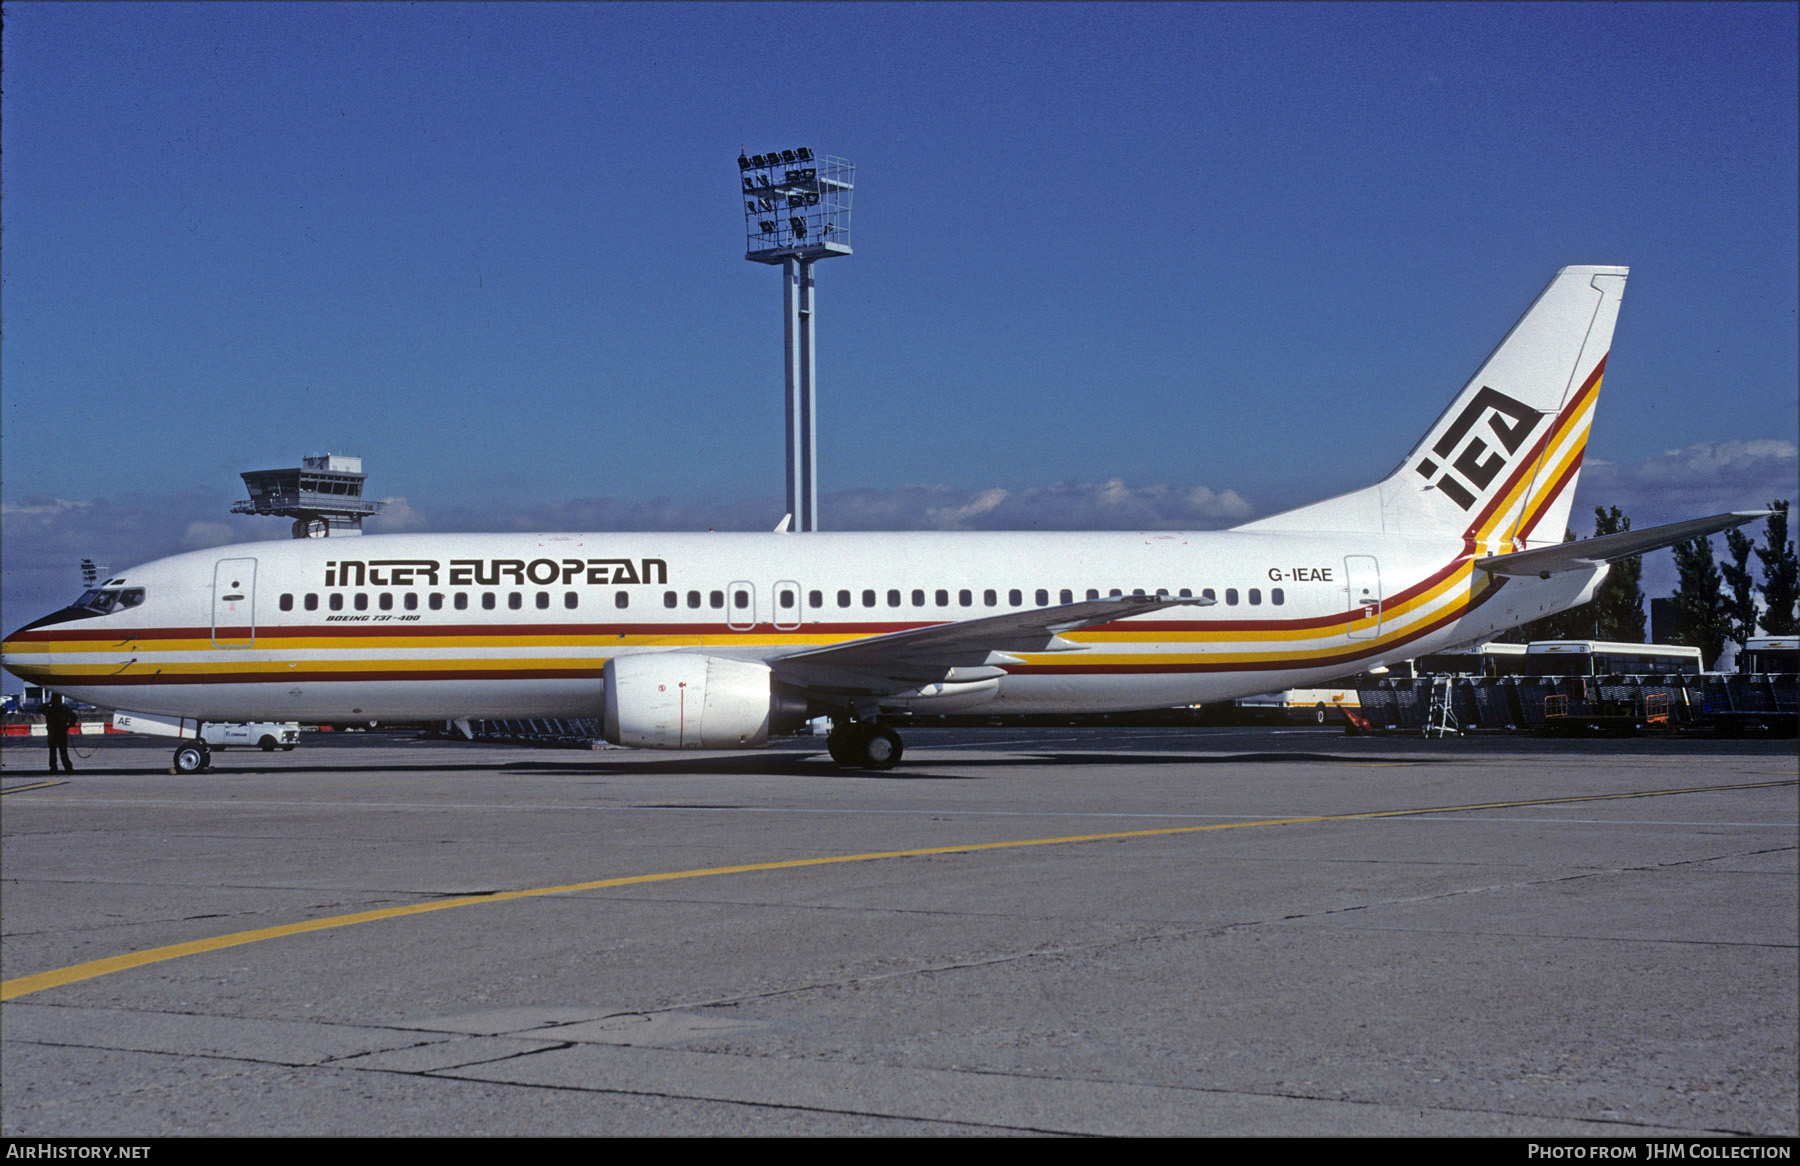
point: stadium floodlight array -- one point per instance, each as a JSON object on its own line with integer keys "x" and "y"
{"x": 795, "y": 205}
{"x": 797, "y": 211}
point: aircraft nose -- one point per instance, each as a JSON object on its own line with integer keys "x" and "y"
{"x": 23, "y": 655}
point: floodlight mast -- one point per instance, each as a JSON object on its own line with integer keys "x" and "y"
{"x": 797, "y": 211}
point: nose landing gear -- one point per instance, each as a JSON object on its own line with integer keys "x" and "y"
{"x": 863, "y": 745}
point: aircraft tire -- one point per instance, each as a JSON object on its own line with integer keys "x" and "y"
{"x": 192, "y": 758}
{"x": 860, "y": 745}
{"x": 881, "y": 749}
{"x": 844, "y": 743}
{"x": 1319, "y": 713}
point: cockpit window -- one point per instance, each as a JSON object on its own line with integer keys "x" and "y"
{"x": 98, "y": 600}
{"x": 101, "y": 601}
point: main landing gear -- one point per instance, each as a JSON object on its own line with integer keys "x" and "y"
{"x": 863, "y": 745}
{"x": 192, "y": 757}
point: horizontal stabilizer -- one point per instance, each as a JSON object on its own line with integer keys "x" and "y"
{"x": 1607, "y": 548}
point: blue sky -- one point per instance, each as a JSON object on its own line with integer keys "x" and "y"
{"x": 1115, "y": 265}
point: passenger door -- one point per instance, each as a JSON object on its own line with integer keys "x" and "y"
{"x": 234, "y": 603}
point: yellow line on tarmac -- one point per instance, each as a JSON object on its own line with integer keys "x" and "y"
{"x": 19, "y": 789}
{"x": 24, "y": 985}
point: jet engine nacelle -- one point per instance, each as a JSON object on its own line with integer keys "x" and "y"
{"x": 682, "y": 700}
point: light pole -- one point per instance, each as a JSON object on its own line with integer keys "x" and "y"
{"x": 796, "y": 211}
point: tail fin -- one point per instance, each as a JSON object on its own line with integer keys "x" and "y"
{"x": 1500, "y": 464}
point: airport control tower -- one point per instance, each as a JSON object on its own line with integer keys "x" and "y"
{"x": 323, "y": 496}
{"x": 797, "y": 211}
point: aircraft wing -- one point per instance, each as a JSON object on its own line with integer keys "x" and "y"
{"x": 1584, "y": 553}
{"x": 970, "y": 649}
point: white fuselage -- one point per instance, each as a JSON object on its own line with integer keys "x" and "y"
{"x": 442, "y": 626}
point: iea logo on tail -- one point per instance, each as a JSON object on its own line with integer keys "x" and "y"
{"x": 1475, "y": 467}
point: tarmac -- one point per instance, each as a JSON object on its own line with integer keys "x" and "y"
{"x": 1019, "y": 931}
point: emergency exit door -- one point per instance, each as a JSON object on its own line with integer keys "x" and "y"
{"x": 234, "y": 603}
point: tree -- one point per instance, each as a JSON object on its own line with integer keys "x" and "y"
{"x": 1779, "y": 570}
{"x": 1618, "y": 607}
{"x": 1740, "y": 599}
{"x": 1700, "y": 599}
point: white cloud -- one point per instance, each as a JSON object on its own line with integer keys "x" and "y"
{"x": 1705, "y": 478}
{"x": 201, "y": 535}
{"x": 396, "y": 516}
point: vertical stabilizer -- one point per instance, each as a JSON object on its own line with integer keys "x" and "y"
{"x": 1500, "y": 464}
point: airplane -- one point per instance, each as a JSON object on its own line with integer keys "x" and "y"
{"x": 722, "y": 640}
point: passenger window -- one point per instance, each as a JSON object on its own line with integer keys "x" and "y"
{"x": 1276, "y": 597}
{"x": 815, "y": 599}
{"x": 487, "y": 601}
{"x": 1042, "y": 597}
{"x": 1231, "y": 596}
{"x": 462, "y": 601}
{"x": 515, "y": 600}
{"x": 386, "y": 601}
{"x": 411, "y": 601}
{"x": 893, "y": 598}
{"x": 1138, "y": 592}
{"x": 670, "y": 599}
{"x": 1115, "y": 593}
{"x": 361, "y": 602}
{"x": 966, "y": 597}
{"x": 715, "y": 600}
{"x": 989, "y": 598}
{"x": 943, "y": 598}
{"x": 1255, "y": 597}
{"x": 572, "y": 600}
{"x": 622, "y": 599}
{"x": 1207, "y": 594}
{"x": 784, "y": 599}
{"x": 1162, "y": 592}
{"x": 843, "y": 599}
{"x": 1093, "y": 593}
{"x": 868, "y": 598}
{"x": 312, "y": 602}
{"x": 739, "y": 599}
{"x": 1186, "y": 593}
{"x": 337, "y": 601}
{"x": 694, "y": 600}
{"x": 543, "y": 600}
{"x": 436, "y": 602}
{"x": 287, "y": 601}
{"x": 1065, "y": 596}
{"x": 1015, "y": 598}
{"x": 918, "y": 599}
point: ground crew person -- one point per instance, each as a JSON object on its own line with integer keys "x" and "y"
{"x": 58, "y": 720}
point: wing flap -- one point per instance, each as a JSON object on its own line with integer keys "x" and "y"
{"x": 901, "y": 660}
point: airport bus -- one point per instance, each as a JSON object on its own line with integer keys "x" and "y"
{"x": 1484, "y": 660}
{"x": 1604, "y": 658}
{"x": 1770, "y": 654}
